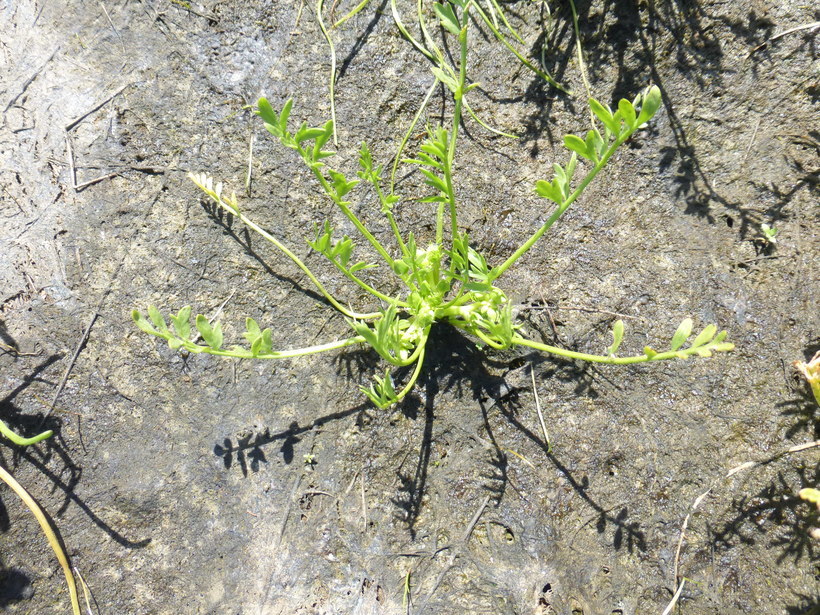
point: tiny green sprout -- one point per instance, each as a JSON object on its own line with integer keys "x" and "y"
{"x": 446, "y": 281}
{"x": 768, "y": 234}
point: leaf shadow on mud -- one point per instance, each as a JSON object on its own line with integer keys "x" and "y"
{"x": 248, "y": 451}
{"x": 629, "y": 37}
{"x": 775, "y": 506}
{"x": 48, "y": 453}
{"x": 802, "y": 407}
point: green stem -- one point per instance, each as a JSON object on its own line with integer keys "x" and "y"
{"x": 581, "y": 63}
{"x": 352, "y": 13}
{"x": 403, "y": 29}
{"x": 343, "y": 205}
{"x": 506, "y": 23}
{"x": 386, "y": 209}
{"x": 594, "y": 358}
{"x": 282, "y": 354}
{"x": 485, "y": 125}
{"x": 365, "y": 286}
{"x": 544, "y": 75}
{"x": 459, "y": 101}
{"x": 497, "y": 271}
{"x": 21, "y": 441}
{"x": 406, "y": 138}
{"x": 251, "y": 224}
{"x": 416, "y": 373}
{"x": 319, "y": 5}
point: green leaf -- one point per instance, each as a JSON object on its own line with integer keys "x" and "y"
{"x": 605, "y": 115}
{"x": 157, "y": 319}
{"x": 143, "y": 323}
{"x": 650, "y": 104}
{"x": 627, "y": 112}
{"x": 306, "y": 134}
{"x": 577, "y": 145}
{"x": 361, "y": 265}
{"x": 704, "y": 336}
{"x": 617, "y": 337}
{"x": 682, "y": 334}
{"x": 266, "y": 112}
{"x": 283, "y": 117}
{"x": 253, "y": 331}
{"x": 262, "y": 344}
{"x": 211, "y": 334}
{"x": 549, "y": 190}
{"x": 448, "y": 18}
{"x": 649, "y": 352}
{"x": 445, "y": 78}
{"x": 340, "y": 184}
{"x": 182, "y": 322}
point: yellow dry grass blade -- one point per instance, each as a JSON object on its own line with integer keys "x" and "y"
{"x": 48, "y": 531}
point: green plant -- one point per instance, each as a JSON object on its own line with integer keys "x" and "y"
{"x": 768, "y": 234}
{"x": 448, "y": 280}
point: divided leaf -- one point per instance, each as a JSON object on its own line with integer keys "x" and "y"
{"x": 448, "y": 18}
{"x": 650, "y": 103}
{"x": 705, "y": 336}
{"x": 579, "y": 146}
{"x": 182, "y": 322}
{"x": 157, "y": 319}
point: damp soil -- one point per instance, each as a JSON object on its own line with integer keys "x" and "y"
{"x": 201, "y": 485}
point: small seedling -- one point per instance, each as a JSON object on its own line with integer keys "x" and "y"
{"x": 768, "y": 234}
{"x": 446, "y": 281}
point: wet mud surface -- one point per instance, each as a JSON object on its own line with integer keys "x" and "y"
{"x": 202, "y": 485}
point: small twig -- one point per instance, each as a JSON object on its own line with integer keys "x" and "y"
{"x": 674, "y": 601}
{"x": 364, "y": 503}
{"x": 70, "y": 366}
{"x": 455, "y": 551}
{"x": 764, "y": 44}
{"x": 29, "y": 81}
{"x": 72, "y": 172}
{"x": 86, "y": 590}
{"x": 97, "y": 107}
{"x": 685, "y": 524}
{"x": 287, "y": 510}
{"x": 538, "y": 409}
{"x": 111, "y": 23}
{"x": 250, "y": 167}
{"x": 752, "y": 464}
{"x": 91, "y": 182}
{"x": 51, "y": 535}
{"x": 16, "y": 353}
{"x": 752, "y": 139}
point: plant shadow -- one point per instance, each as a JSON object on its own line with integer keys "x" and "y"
{"x": 49, "y": 453}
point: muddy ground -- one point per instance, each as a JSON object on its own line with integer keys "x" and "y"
{"x": 202, "y": 485}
